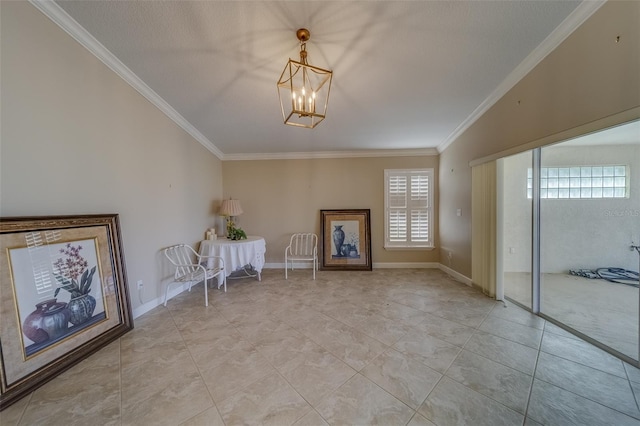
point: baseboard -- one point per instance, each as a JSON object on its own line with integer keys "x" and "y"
{"x": 305, "y": 265}
{"x": 147, "y": 306}
{"x": 456, "y": 275}
{"x": 405, "y": 265}
{"x": 381, "y": 265}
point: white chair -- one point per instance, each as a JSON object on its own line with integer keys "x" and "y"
{"x": 303, "y": 247}
{"x": 192, "y": 272}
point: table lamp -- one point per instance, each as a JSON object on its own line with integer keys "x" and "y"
{"x": 230, "y": 208}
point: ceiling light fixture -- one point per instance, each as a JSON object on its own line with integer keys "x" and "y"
{"x": 304, "y": 89}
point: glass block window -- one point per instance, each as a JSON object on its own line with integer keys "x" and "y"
{"x": 581, "y": 182}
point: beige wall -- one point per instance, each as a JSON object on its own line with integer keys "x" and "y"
{"x": 76, "y": 139}
{"x": 280, "y": 197}
{"x": 588, "y": 77}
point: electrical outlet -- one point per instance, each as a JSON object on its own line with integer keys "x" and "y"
{"x": 140, "y": 284}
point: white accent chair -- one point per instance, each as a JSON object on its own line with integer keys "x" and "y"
{"x": 182, "y": 256}
{"x": 303, "y": 247}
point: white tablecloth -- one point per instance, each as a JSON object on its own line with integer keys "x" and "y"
{"x": 236, "y": 254}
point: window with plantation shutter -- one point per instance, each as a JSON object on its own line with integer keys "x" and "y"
{"x": 408, "y": 208}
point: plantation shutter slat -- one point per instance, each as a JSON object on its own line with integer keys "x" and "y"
{"x": 397, "y": 225}
{"x": 398, "y": 192}
{"x": 408, "y": 207}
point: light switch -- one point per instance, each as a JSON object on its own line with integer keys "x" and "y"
{"x": 459, "y": 212}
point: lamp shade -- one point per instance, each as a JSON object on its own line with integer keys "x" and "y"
{"x": 230, "y": 208}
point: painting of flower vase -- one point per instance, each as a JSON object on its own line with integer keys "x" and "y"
{"x": 64, "y": 296}
{"x": 70, "y": 284}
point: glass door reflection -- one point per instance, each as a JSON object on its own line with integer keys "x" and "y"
{"x": 516, "y": 189}
{"x": 590, "y": 215}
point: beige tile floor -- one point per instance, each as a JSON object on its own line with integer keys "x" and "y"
{"x": 605, "y": 311}
{"x": 388, "y": 347}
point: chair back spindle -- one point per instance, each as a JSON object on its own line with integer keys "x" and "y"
{"x": 191, "y": 268}
{"x": 302, "y": 246}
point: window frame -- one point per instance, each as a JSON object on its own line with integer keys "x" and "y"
{"x": 408, "y": 244}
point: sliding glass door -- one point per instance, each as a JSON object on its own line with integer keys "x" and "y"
{"x": 590, "y": 218}
{"x": 516, "y": 201}
{"x": 585, "y": 196}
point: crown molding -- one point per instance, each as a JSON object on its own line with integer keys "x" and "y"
{"x": 576, "y": 18}
{"x": 332, "y": 154}
{"x": 54, "y": 12}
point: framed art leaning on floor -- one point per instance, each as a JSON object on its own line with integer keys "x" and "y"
{"x": 63, "y": 296}
{"x": 346, "y": 239}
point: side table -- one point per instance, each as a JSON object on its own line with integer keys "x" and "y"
{"x": 237, "y": 254}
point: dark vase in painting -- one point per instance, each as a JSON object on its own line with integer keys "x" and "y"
{"x": 338, "y": 239}
{"x": 49, "y": 321}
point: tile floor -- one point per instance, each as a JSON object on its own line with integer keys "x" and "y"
{"x": 388, "y": 347}
{"x": 605, "y": 311}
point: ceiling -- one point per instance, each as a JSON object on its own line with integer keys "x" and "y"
{"x": 408, "y": 75}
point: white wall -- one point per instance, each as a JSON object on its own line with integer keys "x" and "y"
{"x": 576, "y": 233}
{"x": 517, "y": 214}
{"x": 76, "y": 139}
{"x": 591, "y": 233}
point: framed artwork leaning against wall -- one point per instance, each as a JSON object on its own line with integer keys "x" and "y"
{"x": 346, "y": 239}
{"x": 63, "y": 296}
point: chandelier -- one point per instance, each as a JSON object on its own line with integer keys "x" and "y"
{"x": 304, "y": 89}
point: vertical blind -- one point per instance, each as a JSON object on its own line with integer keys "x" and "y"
{"x": 483, "y": 225}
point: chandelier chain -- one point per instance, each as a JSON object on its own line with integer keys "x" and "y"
{"x": 303, "y": 53}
